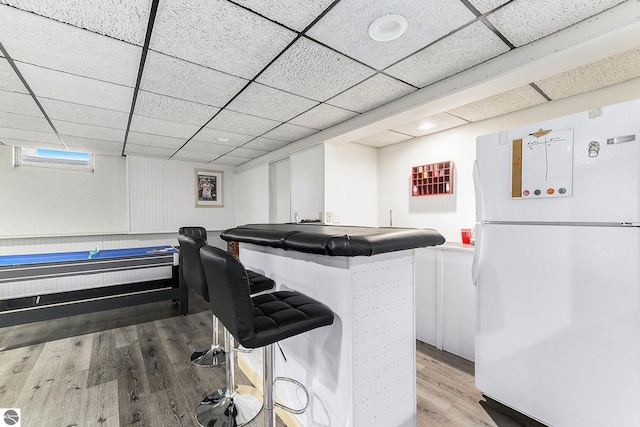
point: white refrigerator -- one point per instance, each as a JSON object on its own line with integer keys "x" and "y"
{"x": 556, "y": 268}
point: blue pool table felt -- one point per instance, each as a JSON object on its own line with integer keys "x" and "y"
{"x": 23, "y": 259}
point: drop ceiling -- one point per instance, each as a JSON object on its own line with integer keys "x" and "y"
{"x": 230, "y": 81}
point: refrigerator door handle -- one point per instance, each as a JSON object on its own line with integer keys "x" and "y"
{"x": 477, "y": 185}
{"x": 478, "y": 229}
{"x": 477, "y": 254}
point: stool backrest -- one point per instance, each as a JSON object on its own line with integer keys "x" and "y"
{"x": 190, "y": 264}
{"x": 228, "y": 281}
{"x": 193, "y": 231}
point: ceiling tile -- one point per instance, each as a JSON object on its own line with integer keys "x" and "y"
{"x": 465, "y": 48}
{"x": 94, "y": 146}
{"x": 149, "y": 151}
{"x": 88, "y": 131}
{"x": 265, "y": 144}
{"x": 78, "y": 113}
{"x": 485, "y": 6}
{"x": 9, "y": 80}
{"x": 294, "y": 14}
{"x": 241, "y": 123}
{"x": 311, "y": 70}
{"x": 81, "y": 90}
{"x": 164, "y": 107}
{"x": 162, "y": 127}
{"x": 181, "y": 79}
{"x": 231, "y": 160}
{"x": 216, "y": 136}
{"x": 322, "y": 117}
{"x": 33, "y": 144}
{"x": 29, "y": 135}
{"x": 20, "y": 121}
{"x": 289, "y": 132}
{"x": 138, "y": 138}
{"x": 383, "y": 139}
{"x": 121, "y": 19}
{"x": 263, "y": 101}
{"x": 193, "y": 156}
{"x": 249, "y": 153}
{"x": 210, "y": 148}
{"x": 218, "y": 34}
{"x": 346, "y": 27}
{"x": 442, "y": 121}
{"x": 40, "y": 41}
{"x": 609, "y": 71}
{"x": 523, "y": 21}
{"x": 497, "y": 105}
{"x": 371, "y": 93}
{"x": 19, "y": 103}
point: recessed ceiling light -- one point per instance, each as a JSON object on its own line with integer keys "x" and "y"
{"x": 223, "y": 139}
{"x": 426, "y": 126}
{"x": 387, "y": 28}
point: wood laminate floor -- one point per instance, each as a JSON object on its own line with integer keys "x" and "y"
{"x": 130, "y": 367}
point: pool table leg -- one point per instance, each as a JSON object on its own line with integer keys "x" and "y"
{"x": 183, "y": 291}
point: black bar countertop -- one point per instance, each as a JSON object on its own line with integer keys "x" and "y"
{"x": 334, "y": 240}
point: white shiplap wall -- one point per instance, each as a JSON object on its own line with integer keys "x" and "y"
{"x": 162, "y": 196}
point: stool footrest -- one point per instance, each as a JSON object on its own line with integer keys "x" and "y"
{"x": 299, "y": 384}
{"x": 241, "y": 349}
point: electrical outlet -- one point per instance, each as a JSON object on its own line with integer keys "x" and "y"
{"x": 336, "y": 216}
{"x": 595, "y": 113}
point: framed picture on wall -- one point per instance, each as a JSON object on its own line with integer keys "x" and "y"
{"x": 209, "y": 189}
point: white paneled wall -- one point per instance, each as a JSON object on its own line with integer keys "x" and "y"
{"x": 162, "y": 196}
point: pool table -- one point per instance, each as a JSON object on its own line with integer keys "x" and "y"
{"x": 31, "y": 289}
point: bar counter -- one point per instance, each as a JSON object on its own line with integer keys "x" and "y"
{"x": 360, "y": 371}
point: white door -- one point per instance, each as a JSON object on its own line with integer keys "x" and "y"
{"x": 605, "y": 181}
{"x": 558, "y": 331}
{"x": 281, "y": 191}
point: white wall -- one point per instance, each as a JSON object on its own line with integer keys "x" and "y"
{"x": 38, "y": 201}
{"x": 307, "y": 182}
{"x": 162, "y": 196}
{"x": 445, "y": 213}
{"x": 448, "y": 214}
{"x": 252, "y": 194}
{"x": 351, "y": 183}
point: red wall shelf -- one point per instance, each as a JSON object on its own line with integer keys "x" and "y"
{"x": 432, "y": 179}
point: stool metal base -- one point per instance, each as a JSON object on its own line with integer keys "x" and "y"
{"x": 220, "y": 409}
{"x": 208, "y": 356}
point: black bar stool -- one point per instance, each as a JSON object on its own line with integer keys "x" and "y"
{"x": 193, "y": 231}
{"x": 192, "y": 273}
{"x": 259, "y": 321}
